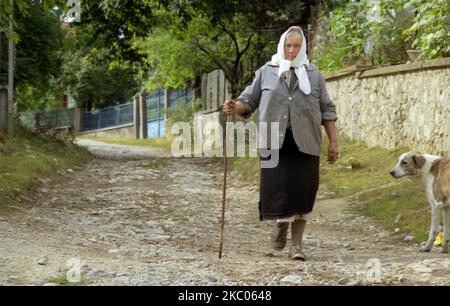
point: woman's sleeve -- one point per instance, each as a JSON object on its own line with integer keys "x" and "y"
{"x": 326, "y": 105}
{"x": 251, "y": 95}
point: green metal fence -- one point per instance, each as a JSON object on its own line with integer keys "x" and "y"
{"x": 52, "y": 118}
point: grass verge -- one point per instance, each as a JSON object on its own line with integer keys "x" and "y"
{"x": 29, "y": 157}
{"x": 398, "y": 205}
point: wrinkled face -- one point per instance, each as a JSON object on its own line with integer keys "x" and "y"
{"x": 292, "y": 45}
{"x": 408, "y": 164}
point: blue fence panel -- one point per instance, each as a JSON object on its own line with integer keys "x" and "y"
{"x": 179, "y": 96}
{"x": 123, "y": 114}
{"x": 90, "y": 121}
{"x": 108, "y": 117}
{"x": 155, "y": 114}
{"x": 155, "y": 104}
{"x": 126, "y": 113}
{"x": 156, "y": 128}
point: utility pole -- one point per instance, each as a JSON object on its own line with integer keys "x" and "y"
{"x": 1, "y": 33}
{"x": 3, "y": 92}
{"x": 11, "y": 106}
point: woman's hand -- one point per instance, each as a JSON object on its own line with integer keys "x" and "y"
{"x": 229, "y": 107}
{"x": 333, "y": 152}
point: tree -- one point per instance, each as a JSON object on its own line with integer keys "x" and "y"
{"x": 22, "y": 6}
{"x": 236, "y": 36}
{"x": 171, "y": 62}
{"x": 5, "y": 12}
{"x": 97, "y": 81}
{"x": 119, "y": 22}
{"x": 39, "y": 46}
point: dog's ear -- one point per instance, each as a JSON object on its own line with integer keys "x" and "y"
{"x": 419, "y": 160}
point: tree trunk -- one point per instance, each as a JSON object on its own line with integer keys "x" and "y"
{"x": 197, "y": 87}
{"x": 234, "y": 82}
{"x": 315, "y": 12}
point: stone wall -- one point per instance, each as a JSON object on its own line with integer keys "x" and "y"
{"x": 126, "y": 130}
{"x": 397, "y": 106}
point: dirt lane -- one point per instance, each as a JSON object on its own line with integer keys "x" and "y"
{"x": 116, "y": 222}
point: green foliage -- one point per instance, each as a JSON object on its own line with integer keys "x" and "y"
{"x": 235, "y": 36}
{"x": 38, "y": 56}
{"x": 89, "y": 65}
{"x": 172, "y": 62}
{"x": 269, "y": 16}
{"x": 31, "y": 98}
{"x": 5, "y": 11}
{"x": 22, "y": 8}
{"x": 181, "y": 113}
{"x": 389, "y": 41}
{"x": 349, "y": 32}
{"x": 230, "y": 48}
{"x": 431, "y": 27}
{"x": 119, "y": 22}
{"x": 344, "y": 36}
{"x": 97, "y": 81}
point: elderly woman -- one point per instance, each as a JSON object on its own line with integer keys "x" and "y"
{"x": 290, "y": 91}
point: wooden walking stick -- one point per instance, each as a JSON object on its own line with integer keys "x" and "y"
{"x": 222, "y": 225}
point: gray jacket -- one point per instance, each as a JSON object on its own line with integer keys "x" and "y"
{"x": 276, "y": 102}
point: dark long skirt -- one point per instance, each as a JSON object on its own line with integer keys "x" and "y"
{"x": 291, "y": 187}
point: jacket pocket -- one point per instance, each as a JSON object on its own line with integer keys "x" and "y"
{"x": 315, "y": 92}
{"x": 313, "y": 99}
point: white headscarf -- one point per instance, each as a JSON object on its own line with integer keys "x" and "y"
{"x": 299, "y": 63}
